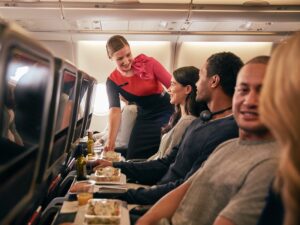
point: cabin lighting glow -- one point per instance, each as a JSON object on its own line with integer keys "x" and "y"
{"x": 147, "y": 43}
{"x": 226, "y": 44}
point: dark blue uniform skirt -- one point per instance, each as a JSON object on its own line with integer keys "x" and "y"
{"x": 146, "y": 133}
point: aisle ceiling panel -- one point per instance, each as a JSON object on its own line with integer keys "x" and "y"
{"x": 152, "y": 17}
{"x": 205, "y": 2}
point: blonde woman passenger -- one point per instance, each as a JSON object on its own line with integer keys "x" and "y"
{"x": 280, "y": 112}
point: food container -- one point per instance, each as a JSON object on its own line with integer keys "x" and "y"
{"x": 108, "y": 174}
{"x": 103, "y": 211}
{"x": 111, "y": 156}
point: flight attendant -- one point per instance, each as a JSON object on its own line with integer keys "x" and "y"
{"x": 140, "y": 80}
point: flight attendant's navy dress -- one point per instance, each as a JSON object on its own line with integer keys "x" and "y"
{"x": 154, "y": 108}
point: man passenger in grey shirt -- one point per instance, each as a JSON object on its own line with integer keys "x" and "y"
{"x": 230, "y": 188}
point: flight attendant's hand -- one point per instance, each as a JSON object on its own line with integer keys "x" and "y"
{"x": 109, "y": 146}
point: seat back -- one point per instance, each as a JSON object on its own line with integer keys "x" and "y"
{"x": 26, "y": 121}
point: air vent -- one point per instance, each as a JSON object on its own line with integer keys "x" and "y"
{"x": 89, "y": 24}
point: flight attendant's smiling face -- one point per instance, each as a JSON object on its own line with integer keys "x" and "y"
{"x": 123, "y": 59}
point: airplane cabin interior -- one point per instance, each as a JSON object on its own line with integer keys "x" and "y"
{"x": 54, "y": 66}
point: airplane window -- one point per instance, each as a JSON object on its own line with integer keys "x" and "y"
{"x": 93, "y": 97}
{"x": 101, "y": 101}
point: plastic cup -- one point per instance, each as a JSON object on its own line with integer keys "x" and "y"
{"x": 85, "y": 193}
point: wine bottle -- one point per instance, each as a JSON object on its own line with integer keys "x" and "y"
{"x": 90, "y": 143}
{"x": 81, "y": 164}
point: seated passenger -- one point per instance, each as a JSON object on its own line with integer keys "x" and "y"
{"x": 183, "y": 93}
{"x": 280, "y": 112}
{"x": 231, "y": 186}
{"x": 215, "y": 87}
{"x": 128, "y": 117}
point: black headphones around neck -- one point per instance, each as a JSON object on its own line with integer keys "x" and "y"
{"x": 206, "y": 115}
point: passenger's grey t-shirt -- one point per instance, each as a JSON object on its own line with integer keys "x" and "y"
{"x": 233, "y": 183}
